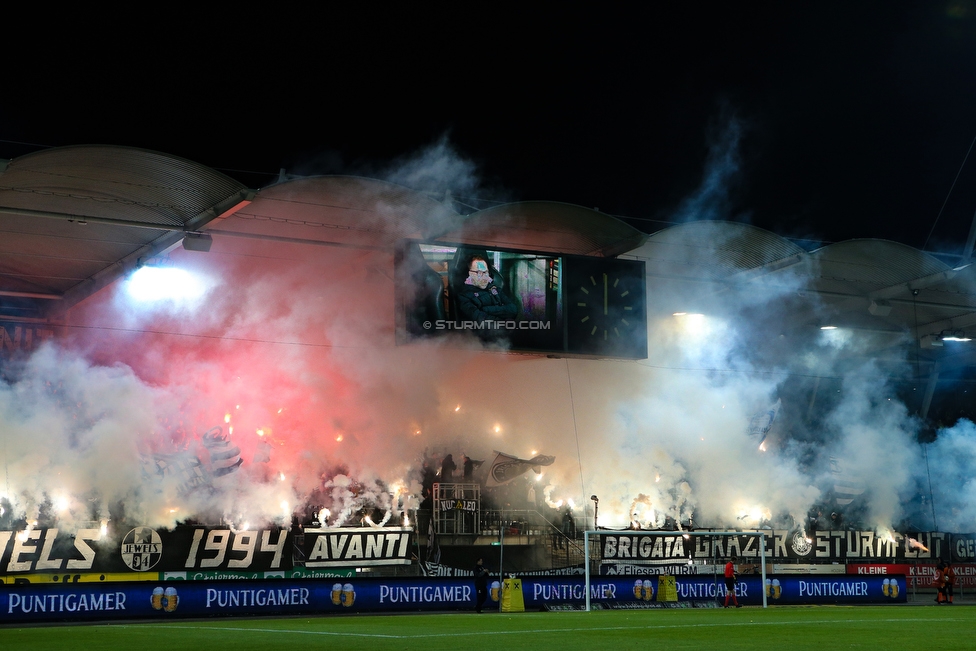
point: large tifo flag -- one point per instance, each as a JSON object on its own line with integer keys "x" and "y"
{"x": 761, "y": 423}
{"x": 225, "y": 457}
{"x": 505, "y": 467}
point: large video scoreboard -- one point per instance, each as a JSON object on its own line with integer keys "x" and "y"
{"x": 522, "y": 300}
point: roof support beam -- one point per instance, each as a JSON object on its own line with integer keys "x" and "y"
{"x": 912, "y": 285}
{"x": 770, "y": 267}
{"x": 225, "y": 208}
{"x": 47, "y": 296}
{"x": 85, "y": 219}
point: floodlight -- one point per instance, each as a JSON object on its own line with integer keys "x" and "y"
{"x": 879, "y": 307}
{"x": 197, "y": 242}
{"x": 954, "y": 335}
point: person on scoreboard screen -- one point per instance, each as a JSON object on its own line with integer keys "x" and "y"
{"x": 730, "y": 582}
{"x": 480, "y": 299}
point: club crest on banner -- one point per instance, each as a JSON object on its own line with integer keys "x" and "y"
{"x": 801, "y": 544}
{"x": 505, "y": 467}
{"x": 141, "y": 549}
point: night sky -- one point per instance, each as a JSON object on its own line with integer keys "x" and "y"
{"x": 823, "y": 121}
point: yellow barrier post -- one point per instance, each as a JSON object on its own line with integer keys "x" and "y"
{"x": 667, "y": 589}
{"x": 512, "y": 600}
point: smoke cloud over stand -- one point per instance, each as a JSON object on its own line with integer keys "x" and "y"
{"x": 291, "y": 352}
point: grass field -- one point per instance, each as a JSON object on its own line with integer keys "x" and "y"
{"x": 792, "y": 628}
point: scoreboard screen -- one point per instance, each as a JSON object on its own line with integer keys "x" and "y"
{"x": 521, "y": 300}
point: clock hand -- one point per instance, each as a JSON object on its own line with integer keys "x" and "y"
{"x": 604, "y": 293}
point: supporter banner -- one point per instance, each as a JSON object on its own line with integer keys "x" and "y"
{"x": 356, "y": 547}
{"x": 167, "y": 600}
{"x": 467, "y": 506}
{"x": 963, "y": 547}
{"x": 821, "y": 546}
{"x": 143, "y": 549}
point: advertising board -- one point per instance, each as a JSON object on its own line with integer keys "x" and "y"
{"x": 167, "y": 600}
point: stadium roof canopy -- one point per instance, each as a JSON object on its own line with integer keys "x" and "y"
{"x": 74, "y": 219}
{"x": 903, "y": 305}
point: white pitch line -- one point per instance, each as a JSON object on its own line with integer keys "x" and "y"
{"x": 547, "y": 631}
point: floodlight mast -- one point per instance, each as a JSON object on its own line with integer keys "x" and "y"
{"x": 586, "y": 553}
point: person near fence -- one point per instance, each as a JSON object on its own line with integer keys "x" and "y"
{"x": 568, "y": 528}
{"x": 940, "y": 582}
{"x": 730, "y": 582}
{"x": 950, "y": 574}
{"x": 480, "y": 584}
{"x": 447, "y": 469}
{"x": 945, "y": 579}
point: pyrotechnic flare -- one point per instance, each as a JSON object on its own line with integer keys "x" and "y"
{"x": 914, "y": 544}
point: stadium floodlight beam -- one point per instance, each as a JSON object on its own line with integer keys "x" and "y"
{"x": 955, "y": 335}
{"x": 157, "y": 280}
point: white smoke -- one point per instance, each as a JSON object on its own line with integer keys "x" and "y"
{"x": 951, "y": 459}
{"x": 436, "y": 169}
{"x": 712, "y": 198}
{"x": 294, "y": 350}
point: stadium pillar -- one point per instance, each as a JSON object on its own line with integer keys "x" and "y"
{"x": 762, "y": 559}
{"x": 586, "y": 566}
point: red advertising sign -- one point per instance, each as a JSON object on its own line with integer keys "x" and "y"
{"x": 878, "y": 568}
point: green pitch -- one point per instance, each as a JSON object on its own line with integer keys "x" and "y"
{"x": 795, "y": 628}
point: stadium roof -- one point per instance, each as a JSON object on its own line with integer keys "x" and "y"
{"x": 897, "y": 301}
{"x": 74, "y": 219}
{"x": 548, "y": 226}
